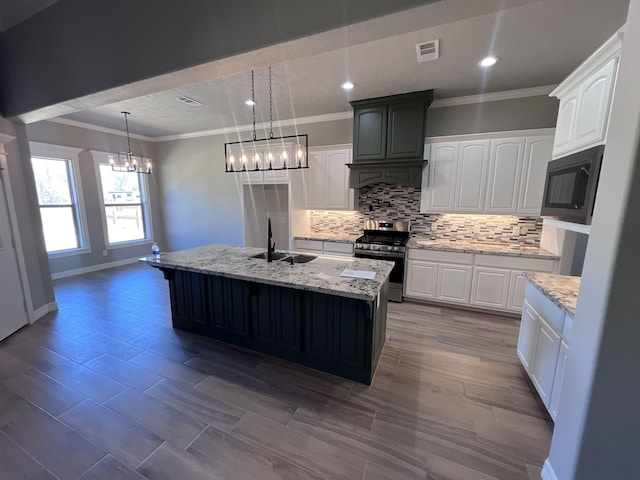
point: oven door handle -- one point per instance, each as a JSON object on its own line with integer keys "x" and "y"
{"x": 382, "y": 256}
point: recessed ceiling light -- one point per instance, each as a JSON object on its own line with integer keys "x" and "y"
{"x": 251, "y": 103}
{"x": 189, "y": 101}
{"x": 488, "y": 61}
{"x": 348, "y": 85}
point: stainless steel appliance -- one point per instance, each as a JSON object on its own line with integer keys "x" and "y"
{"x": 570, "y": 189}
{"x": 386, "y": 240}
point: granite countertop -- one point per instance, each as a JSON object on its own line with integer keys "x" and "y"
{"x": 560, "y": 289}
{"x": 493, "y": 248}
{"x": 329, "y": 237}
{"x": 319, "y": 275}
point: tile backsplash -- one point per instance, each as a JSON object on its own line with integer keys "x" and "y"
{"x": 384, "y": 201}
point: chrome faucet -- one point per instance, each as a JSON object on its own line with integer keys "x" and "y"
{"x": 270, "y": 248}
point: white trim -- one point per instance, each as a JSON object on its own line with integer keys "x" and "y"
{"x": 69, "y": 253}
{"x": 97, "y": 128}
{"x": 610, "y": 49}
{"x": 574, "y": 227}
{"x": 43, "y": 310}
{"x": 13, "y": 218}
{"x": 329, "y": 117}
{"x": 53, "y": 151}
{"x": 133, "y": 243}
{"x": 93, "y": 268}
{"x": 491, "y": 135}
{"x": 547, "y": 471}
{"x": 493, "y": 96}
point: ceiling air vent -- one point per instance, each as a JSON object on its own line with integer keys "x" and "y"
{"x": 428, "y": 50}
{"x": 189, "y": 101}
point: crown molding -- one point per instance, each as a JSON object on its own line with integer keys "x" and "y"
{"x": 493, "y": 97}
{"x": 329, "y": 117}
{"x": 97, "y": 128}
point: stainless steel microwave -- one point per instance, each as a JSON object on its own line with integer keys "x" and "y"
{"x": 571, "y": 185}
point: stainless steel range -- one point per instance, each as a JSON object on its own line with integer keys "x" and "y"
{"x": 387, "y": 241}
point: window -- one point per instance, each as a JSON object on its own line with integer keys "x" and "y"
{"x": 124, "y": 199}
{"x": 58, "y": 199}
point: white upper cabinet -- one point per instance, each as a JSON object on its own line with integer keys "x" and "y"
{"x": 585, "y": 100}
{"x": 439, "y": 186}
{"x": 505, "y": 169}
{"x": 326, "y": 182}
{"x": 473, "y": 161}
{"x": 537, "y": 153}
{"x": 492, "y": 175}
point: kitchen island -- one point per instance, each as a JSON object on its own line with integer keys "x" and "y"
{"x": 303, "y": 312}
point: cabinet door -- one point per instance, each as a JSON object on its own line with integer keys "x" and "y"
{"x": 315, "y": 181}
{"x": 527, "y": 336}
{"x": 504, "y": 175}
{"x": 405, "y": 137}
{"x": 559, "y": 378}
{"x": 490, "y": 287}
{"x": 454, "y": 283}
{"x": 339, "y": 195}
{"x": 338, "y": 248}
{"x": 471, "y": 177}
{"x": 537, "y": 154}
{"x": 421, "y": 279}
{"x": 517, "y": 284}
{"x": 567, "y": 111}
{"x": 593, "y": 107}
{"x": 544, "y": 360}
{"x": 370, "y": 133}
{"x": 438, "y": 188}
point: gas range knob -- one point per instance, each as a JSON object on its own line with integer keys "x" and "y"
{"x": 364, "y": 246}
{"x": 375, "y": 247}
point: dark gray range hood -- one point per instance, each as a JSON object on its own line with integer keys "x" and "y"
{"x": 388, "y": 139}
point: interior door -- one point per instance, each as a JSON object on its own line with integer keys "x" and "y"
{"x": 12, "y": 303}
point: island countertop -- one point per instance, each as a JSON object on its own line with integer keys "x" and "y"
{"x": 319, "y": 275}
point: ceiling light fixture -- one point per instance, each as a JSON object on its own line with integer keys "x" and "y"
{"x": 488, "y": 61}
{"x": 273, "y": 153}
{"x": 129, "y": 161}
{"x": 347, "y": 85}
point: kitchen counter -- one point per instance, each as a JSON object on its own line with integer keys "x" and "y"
{"x": 492, "y": 248}
{"x": 328, "y": 237}
{"x": 560, "y": 289}
{"x": 236, "y": 262}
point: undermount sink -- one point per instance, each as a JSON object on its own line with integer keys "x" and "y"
{"x": 299, "y": 258}
{"x": 274, "y": 255}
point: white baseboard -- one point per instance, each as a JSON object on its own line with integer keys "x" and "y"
{"x": 93, "y": 268}
{"x": 547, "y": 471}
{"x": 42, "y": 311}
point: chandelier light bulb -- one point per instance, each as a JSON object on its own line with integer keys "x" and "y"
{"x": 111, "y": 161}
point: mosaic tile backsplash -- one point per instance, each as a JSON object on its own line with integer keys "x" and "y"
{"x": 384, "y": 201}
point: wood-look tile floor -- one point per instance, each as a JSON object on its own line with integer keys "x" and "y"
{"x": 106, "y": 389}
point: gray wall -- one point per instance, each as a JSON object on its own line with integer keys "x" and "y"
{"x": 58, "y": 134}
{"x": 28, "y": 215}
{"x": 596, "y": 431}
{"x": 202, "y": 204}
{"x": 498, "y": 116}
{"x": 116, "y": 42}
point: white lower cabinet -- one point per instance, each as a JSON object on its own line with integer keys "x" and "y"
{"x": 422, "y": 278}
{"x": 454, "y": 283}
{"x": 543, "y": 346}
{"x": 490, "y": 287}
{"x": 515, "y": 299}
{"x": 324, "y": 246}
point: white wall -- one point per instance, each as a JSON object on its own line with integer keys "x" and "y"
{"x": 596, "y": 432}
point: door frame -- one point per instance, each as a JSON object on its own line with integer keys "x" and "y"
{"x": 13, "y": 219}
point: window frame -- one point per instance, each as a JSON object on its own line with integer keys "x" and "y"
{"x": 70, "y": 155}
{"x": 102, "y": 158}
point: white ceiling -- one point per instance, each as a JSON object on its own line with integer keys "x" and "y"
{"x": 539, "y": 42}
{"x": 13, "y": 12}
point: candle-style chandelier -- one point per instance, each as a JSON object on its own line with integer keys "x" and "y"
{"x": 129, "y": 161}
{"x": 273, "y": 153}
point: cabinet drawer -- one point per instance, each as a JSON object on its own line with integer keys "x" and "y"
{"x": 440, "y": 257}
{"x": 339, "y": 248}
{"x": 516, "y": 263}
{"x": 551, "y": 312}
{"x": 315, "y": 245}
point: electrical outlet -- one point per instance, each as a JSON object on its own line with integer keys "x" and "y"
{"x": 434, "y": 227}
{"x": 476, "y": 229}
{"x": 104, "y": 253}
{"x": 516, "y": 231}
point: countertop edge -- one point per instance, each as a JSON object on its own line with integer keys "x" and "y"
{"x": 530, "y": 276}
{"x": 325, "y": 238}
{"x": 506, "y": 252}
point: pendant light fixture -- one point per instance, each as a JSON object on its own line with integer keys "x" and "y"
{"x": 273, "y": 153}
{"x": 129, "y": 161}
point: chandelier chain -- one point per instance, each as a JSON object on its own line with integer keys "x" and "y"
{"x": 253, "y": 106}
{"x": 126, "y": 122}
{"x": 270, "y": 106}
